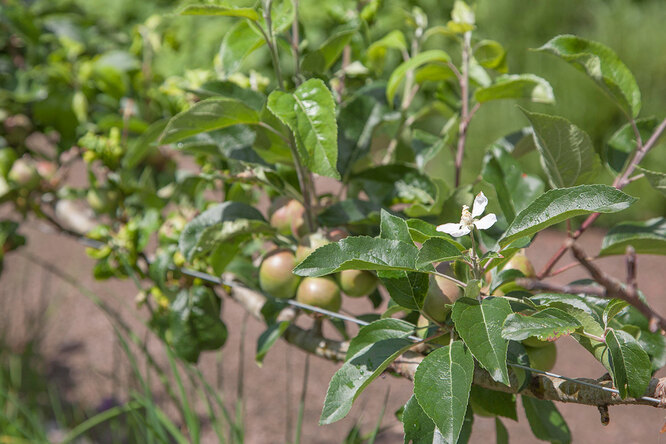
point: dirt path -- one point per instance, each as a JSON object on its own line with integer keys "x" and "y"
{"x": 86, "y": 363}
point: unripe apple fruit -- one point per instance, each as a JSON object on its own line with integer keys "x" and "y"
{"x": 322, "y": 292}
{"x": 441, "y": 292}
{"x": 24, "y": 173}
{"x": 310, "y": 243}
{"x": 275, "y": 274}
{"x": 542, "y": 358}
{"x": 288, "y": 218}
{"x": 520, "y": 262}
{"x": 7, "y": 158}
{"x": 357, "y": 283}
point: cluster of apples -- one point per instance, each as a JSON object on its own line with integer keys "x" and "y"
{"x": 275, "y": 273}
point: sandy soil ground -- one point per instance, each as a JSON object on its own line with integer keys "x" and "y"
{"x": 86, "y": 362}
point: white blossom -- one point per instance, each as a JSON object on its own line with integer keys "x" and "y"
{"x": 468, "y": 219}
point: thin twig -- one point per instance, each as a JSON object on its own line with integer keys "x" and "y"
{"x": 464, "y": 117}
{"x": 615, "y": 289}
{"x": 620, "y": 182}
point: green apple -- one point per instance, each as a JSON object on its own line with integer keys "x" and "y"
{"x": 287, "y": 217}
{"x": 441, "y": 293}
{"x": 520, "y": 262}
{"x": 322, "y": 292}
{"x": 275, "y": 274}
{"x": 357, "y": 283}
{"x": 542, "y": 358}
{"x": 310, "y": 243}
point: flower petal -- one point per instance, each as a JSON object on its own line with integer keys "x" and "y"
{"x": 480, "y": 202}
{"x": 455, "y": 230}
{"x": 486, "y": 221}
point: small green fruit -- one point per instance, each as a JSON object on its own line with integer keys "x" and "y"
{"x": 520, "y": 262}
{"x": 542, "y": 358}
{"x": 441, "y": 292}
{"x": 275, "y": 274}
{"x": 320, "y": 292}
{"x": 357, "y": 283}
{"x": 7, "y": 158}
{"x": 288, "y": 218}
{"x": 310, "y": 243}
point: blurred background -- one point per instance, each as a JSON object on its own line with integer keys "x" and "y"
{"x": 69, "y": 66}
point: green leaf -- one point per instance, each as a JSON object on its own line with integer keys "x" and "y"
{"x": 545, "y": 421}
{"x": 492, "y": 401}
{"x": 393, "y": 184}
{"x": 359, "y": 253}
{"x": 517, "y": 86}
{"x": 323, "y": 58}
{"x": 419, "y": 428}
{"x": 479, "y": 324}
{"x": 441, "y": 385}
{"x": 282, "y": 15}
{"x": 611, "y": 310}
{"x": 220, "y": 223}
{"x": 370, "y": 352}
{"x": 559, "y": 205}
{"x": 217, "y": 10}
{"x": 208, "y": 115}
{"x": 602, "y": 65}
{"x": 407, "y": 289}
{"x": 394, "y": 227}
{"x": 647, "y": 237}
{"x": 357, "y": 120}
{"x": 432, "y": 56}
{"x": 501, "y": 433}
{"x": 238, "y": 42}
{"x": 378, "y": 331}
{"x": 421, "y": 231}
{"x": 268, "y": 338}
{"x": 377, "y": 51}
{"x": 515, "y": 190}
{"x": 310, "y": 114}
{"x": 567, "y": 153}
{"x": 657, "y": 179}
{"x": 426, "y": 146}
{"x": 139, "y": 148}
{"x": 350, "y": 211}
{"x": 437, "y": 249}
{"x": 195, "y": 324}
{"x": 623, "y": 142}
{"x": 491, "y": 55}
{"x": 629, "y": 362}
{"x": 549, "y": 323}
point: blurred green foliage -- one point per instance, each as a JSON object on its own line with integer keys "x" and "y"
{"x": 72, "y": 64}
